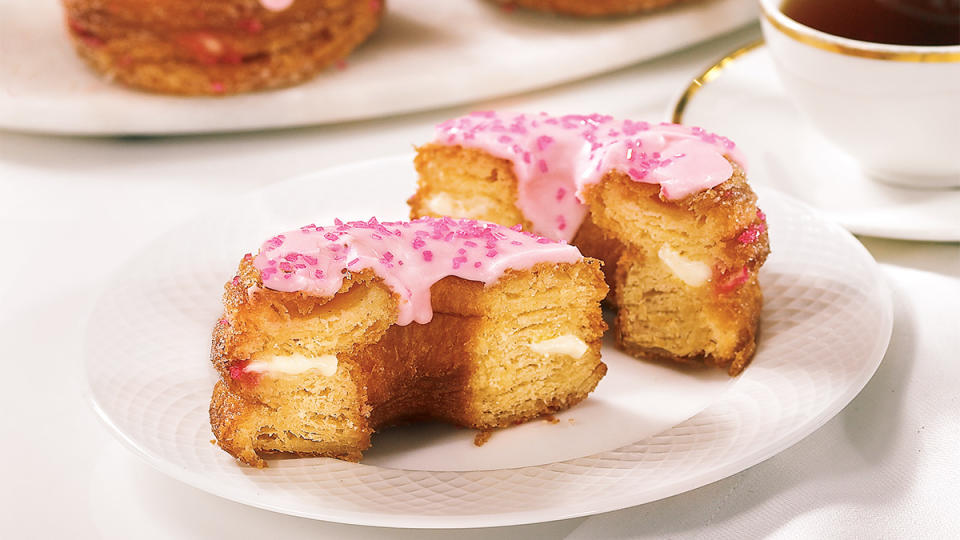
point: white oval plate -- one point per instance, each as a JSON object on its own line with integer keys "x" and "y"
{"x": 826, "y": 324}
{"x": 427, "y": 54}
{"x": 742, "y": 97}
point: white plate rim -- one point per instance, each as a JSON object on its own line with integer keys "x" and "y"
{"x": 458, "y": 521}
{"x": 21, "y": 116}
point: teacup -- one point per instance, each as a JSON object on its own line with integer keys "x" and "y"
{"x": 894, "y": 108}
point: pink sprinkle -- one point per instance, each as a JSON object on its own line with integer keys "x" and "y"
{"x": 286, "y": 267}
{"x": 749, "y": 235}
{"x": 477, "y": 264}
{"x": 236, "y": 371}
{"x": 761, "y": 215}
{"x": 418, "y": 242}
{"x": 388, "y": 256}
{"x": 331, "y": 237}
{"x": 223, "y": 322}
{"x": 353, "y": 262}
{"x": 543, "y": 141}
{"x": 310, "y": 260}
{"x": 292, "y": 257}
{"x": 542, "y": 165}
{"x": 470, "y": 243}
{"x": 236, "y": 281}
{"x": 428, "y": 255}
{"x": 318, "y": 273}
{"x": 518, "y": 227}
{"x": 543, "y": 240}
{"x": 561, "y": 223}
{"x": 505, "y": 139}
{"x": 517, "y": 243}
{"x": 492, "y": 253}
{"x": 560, "y": 194}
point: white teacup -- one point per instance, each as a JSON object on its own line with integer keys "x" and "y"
{"x": 894, "y": 108}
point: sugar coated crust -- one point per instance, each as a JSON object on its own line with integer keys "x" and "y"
{"x": 495, "y": 351}
{"x": 681, "y": 257}
{"x": 217, "y": 48}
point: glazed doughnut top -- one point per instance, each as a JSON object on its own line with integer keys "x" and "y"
{"x": 556, "y": 157}
{"x": 408, "y": 256}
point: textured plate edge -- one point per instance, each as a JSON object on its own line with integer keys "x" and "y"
{"x": 414, "y": 521}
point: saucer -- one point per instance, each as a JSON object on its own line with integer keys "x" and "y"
{"x": 741, "y": 97}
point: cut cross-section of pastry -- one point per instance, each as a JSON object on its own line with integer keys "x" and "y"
{"x": 666, "y": 207}
{"x": 332, "y": 332}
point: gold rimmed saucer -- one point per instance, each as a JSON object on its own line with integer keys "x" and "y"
{"x": 741, "y": 97}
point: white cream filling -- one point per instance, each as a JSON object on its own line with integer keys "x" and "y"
{"x": 294, "y": 364}
{"x": 689, "y": 271}
{"x": 567, "y": 344}
{"x": 445, "y": 205}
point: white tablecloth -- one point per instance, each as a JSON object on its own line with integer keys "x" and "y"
{"x": 72, "y": 210}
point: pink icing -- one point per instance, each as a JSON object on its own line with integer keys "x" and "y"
{"x": 556, "y": 157}
{"x": 276, "y": 5}
{"x": 408, "y": 256}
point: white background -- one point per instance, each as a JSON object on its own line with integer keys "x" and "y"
{"x": 71, "y": 210}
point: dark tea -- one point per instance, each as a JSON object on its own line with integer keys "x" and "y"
{"x": 897, "y": 22}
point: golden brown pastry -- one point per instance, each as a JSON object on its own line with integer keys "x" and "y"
{"x": 216, "y": 48}
{"x": 666, "y": 207}
{"x": 330, "y": 333}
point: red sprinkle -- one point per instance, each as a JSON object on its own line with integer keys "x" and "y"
{"x": 251, "y": 25}
{"x": 238, "y": 374}
{"x": 727, "y": 283}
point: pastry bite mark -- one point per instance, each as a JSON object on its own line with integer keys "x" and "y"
{"x": 475, "y": 324}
